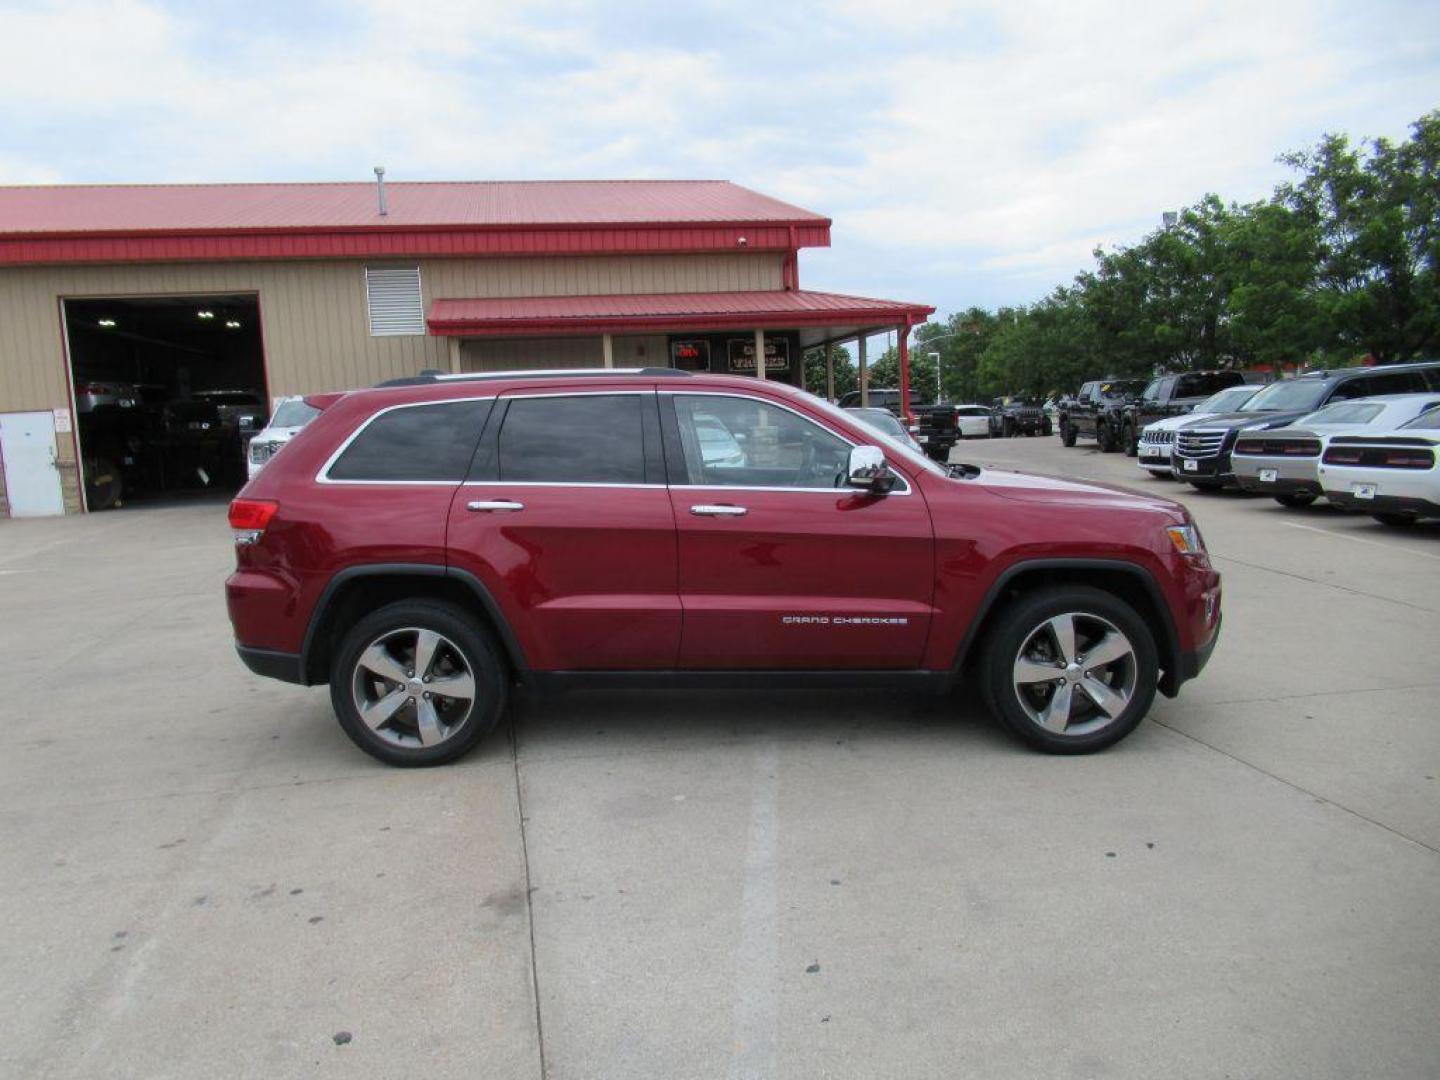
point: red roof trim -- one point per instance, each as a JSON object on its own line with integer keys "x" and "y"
{"x": 410, "y": 242}
{"x": 532, "y": 316}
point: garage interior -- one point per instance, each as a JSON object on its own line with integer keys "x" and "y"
{"x": 168, "y": 391}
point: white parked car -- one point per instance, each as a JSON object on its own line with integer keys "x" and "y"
{"x": 1157, "y": 438}
{"x": 290, "y": 415}
{"x": 1284, "y": 462}
{"x": 1391, "y": 475}
{"x": 972, "y": 421}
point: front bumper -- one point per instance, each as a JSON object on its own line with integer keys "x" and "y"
{"x": 1212, "y": 468}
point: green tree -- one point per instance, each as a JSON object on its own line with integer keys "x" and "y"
{"x": 846, "y": 376}
{"x": 1376, "y": 213}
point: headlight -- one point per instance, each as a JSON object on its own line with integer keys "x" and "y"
{"x": 1186, "y": 539}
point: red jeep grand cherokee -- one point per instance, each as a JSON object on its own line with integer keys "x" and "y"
{"x": 423, "y": 545}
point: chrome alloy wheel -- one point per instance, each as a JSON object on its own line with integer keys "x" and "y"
{"x": 1075, "y": 673}
{"x": 413, "y": 687}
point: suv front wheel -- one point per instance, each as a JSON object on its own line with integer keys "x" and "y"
{"x": 417, "y": 682}
{"x": 1070, "y": 670}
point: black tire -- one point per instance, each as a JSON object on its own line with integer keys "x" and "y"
{"x": 474, "y": 645}
{"x": 1007, "y": 429}
{"x": 1019, "y": 624}
{"x": 1295, "y": 500}
{"x": 1161, "y": 474}
{"x": 1047, "y": 430}
{"x": 103, "y": 484}
{"x": 1106, "y": 438}
{"x": 1206, "y": 485}
{"x": 1398, "y": 521}
{"x": 1067, "y": 433}
{"x": 1129, "y": 440}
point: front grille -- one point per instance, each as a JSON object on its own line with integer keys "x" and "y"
{"x": 1278, "y": 447}
{"x": 1199, "y": 444}
{"x": 1157, "y": 438}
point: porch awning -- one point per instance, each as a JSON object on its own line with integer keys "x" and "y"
{"x": 819, "y": 316}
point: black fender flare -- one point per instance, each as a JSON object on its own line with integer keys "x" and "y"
{"x": 508, "y": 641}
{"x": 1168, "y": 646}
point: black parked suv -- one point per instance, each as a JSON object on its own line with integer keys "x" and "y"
{"x": 1018, "y": 416}
{"x": 1202, "y": 449}
{"x": 1098, "y": 412}
{"x": 1171, "y": 395}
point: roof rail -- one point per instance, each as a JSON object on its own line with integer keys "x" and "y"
{"x": 430, "y": 377}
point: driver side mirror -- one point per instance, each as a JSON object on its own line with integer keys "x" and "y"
{"x": 867, "y": 470}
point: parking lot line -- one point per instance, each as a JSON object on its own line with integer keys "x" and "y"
{"x": 1360, "y": 540}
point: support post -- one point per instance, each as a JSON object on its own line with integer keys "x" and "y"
{"x": 904, "y": 342}
{"x": 760, "y": 355}
{"x": 607, "y": 346}
{"x": 829, "y": 371}
{"x": 455, "y": 360}
{"x": 864, "y": 373}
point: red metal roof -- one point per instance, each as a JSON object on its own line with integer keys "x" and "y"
{"x": 769, "y": 310}
{"x": 239, "y": 221}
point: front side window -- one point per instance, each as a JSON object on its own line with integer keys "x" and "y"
{"x": 743, "y": 442}
{"x": 582, "y": 439}
{"x": 414, "y": 443}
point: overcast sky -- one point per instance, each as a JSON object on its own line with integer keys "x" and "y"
{"x": 969, "y": 153}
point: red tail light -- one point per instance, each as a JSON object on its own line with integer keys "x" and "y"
{"x": 1342, "y": 456}
{"x": 252, "y": 515}
{"x": 1409, "y": 459}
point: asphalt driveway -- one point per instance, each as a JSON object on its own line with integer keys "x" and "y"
{"x": 201, "y": 876}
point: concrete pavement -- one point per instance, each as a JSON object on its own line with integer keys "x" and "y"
{"x": 201, "y": 876}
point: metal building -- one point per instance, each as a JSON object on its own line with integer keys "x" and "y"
{"x": 130, "y": 314}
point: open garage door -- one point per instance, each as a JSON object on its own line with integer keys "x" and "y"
{"x": 168, "y": 392}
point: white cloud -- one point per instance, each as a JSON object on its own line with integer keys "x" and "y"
{"x": 966, "y": 150}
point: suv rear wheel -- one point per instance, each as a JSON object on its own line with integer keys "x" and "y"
{"x": 1070, "y": 669}
{"x": 417, "y": 682}
{"x": 1067, "y": 433}
{"x": 1130, "y": 440}
{"x": 1106, "y": 438}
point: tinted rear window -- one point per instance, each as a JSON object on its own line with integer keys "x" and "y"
{"x": 592, "y": 439}
{"x": 1203, "y": 384}
{"x": 415, "y": 442}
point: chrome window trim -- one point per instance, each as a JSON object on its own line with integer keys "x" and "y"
{"x": 557, "y": 484}
{"x": 905, "y": 480}
{"x": 323, "y": 475}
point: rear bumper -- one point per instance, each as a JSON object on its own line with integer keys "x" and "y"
{"x": 1384, "y": 504}
{"x": 1283, "y": 485}
{"x": 272, "y": 664}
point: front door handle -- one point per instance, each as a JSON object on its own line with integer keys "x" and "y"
{"x": 487, "y": 506}
{"x": 718, "y": 510}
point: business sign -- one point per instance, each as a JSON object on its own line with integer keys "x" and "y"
{"x": 690, "y": 354}
{"x": 777, "y": 355}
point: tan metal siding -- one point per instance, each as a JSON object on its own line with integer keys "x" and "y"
{"x": 313, "y": 314}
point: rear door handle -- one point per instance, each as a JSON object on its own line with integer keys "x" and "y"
{"x": 487, "y": 506}
{"x": 718, "y": 510}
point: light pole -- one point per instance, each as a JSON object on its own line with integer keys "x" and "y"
{"x": 936, "y": 357}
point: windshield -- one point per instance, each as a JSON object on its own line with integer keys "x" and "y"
{"x": 1124, "y": 388}
{"x": 1291, "y": 395}
{"x": 1429, "y": 420}
{"x": 1346, "y": 412}
{"x": 293, "y": 414}
{"x": 1227, "y": 400}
